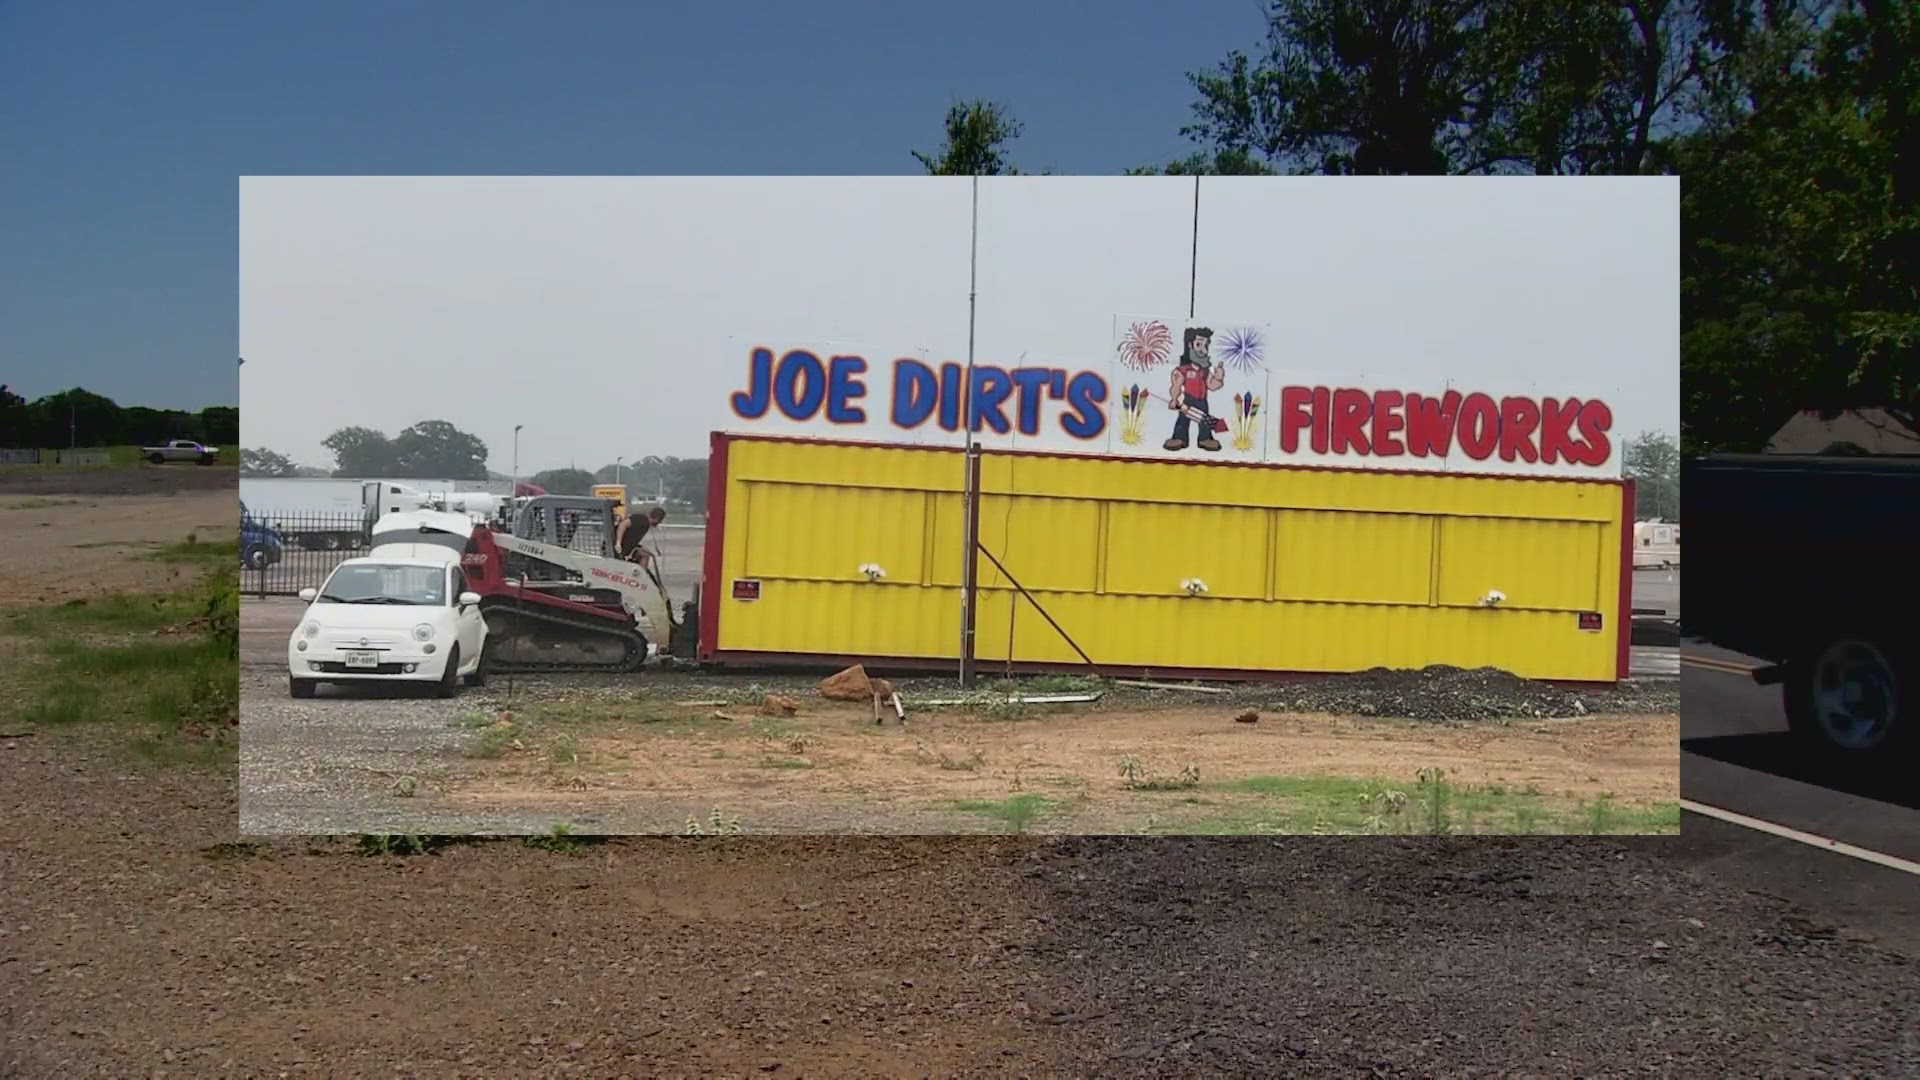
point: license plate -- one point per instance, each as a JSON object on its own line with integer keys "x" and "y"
{"x": 363, "y": 659}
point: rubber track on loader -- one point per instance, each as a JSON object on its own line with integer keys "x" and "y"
{"x": 503, "y": 658}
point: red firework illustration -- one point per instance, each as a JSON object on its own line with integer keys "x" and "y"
{"x": 1146, "y": 345}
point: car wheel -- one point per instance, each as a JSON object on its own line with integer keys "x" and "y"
{"x": 157, "y": 459}
{"x": 1852, "y": 695}
{"x": 479, "y": 677}
{"x": 301, "y": 688}
{"x": 332, "y": 542}
{"x": 450, "y": 681}
{"x": 256, "y": 557}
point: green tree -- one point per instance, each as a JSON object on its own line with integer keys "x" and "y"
{"x": 564, "y": 481}
{"x": 362, "y": 453}
{"x": 1429, "y": 87}
{"x": 1652, "y": 460}
{"x": 436, "y": 450}
{"x": 265, "y": 462}
{"x": 1799, "y": 226}
{"x": 686, "y": 481}
{"x": 977, "y": 135}
{"x": 1203, "y": 163}
{"x": 220, "y": 425}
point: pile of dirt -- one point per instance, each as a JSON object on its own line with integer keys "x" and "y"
{"x": 1438, "y": 692}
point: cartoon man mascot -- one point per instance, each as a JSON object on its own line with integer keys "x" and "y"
{"x": 1192, "y": 379}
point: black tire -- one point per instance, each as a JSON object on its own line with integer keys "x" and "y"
{"x": 332, "y": 542}
{"x": 206, "y": 459}
{"x": 449, "y": 684}
{"x": 479, "y": 677}
{"x": 256, "y": 557}
{"x": 301, "y": 688}
{"x": 157, "y": 459}
{"x": 1878, "y": 670}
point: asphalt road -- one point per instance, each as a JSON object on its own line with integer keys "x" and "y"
{"x": 1657, "y": 589}
{"x": 1736, "y": 755}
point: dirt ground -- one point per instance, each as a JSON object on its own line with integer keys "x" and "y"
{"x": 138, "y": 937}
{"x": 625, "y": 756}
{"x": 830, "y": 769}
{"x": 68, "y": 545}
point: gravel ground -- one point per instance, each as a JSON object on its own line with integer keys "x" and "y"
{"x": 136, "y": 939}
{"x": 1436, "y": 693}
{"x": 136, "y": 480}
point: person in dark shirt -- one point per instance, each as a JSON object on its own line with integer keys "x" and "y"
{"x": 633, "y": 529}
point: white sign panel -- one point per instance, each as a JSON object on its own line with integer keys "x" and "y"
{"x": 1172, "y": 389}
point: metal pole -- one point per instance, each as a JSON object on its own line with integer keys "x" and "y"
{"x": 514, "y": 491}
{"x": 1193, "y": 271}
{"x": 970, "y": 497}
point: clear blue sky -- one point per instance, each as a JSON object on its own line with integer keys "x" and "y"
{"x": 125, "y": 126}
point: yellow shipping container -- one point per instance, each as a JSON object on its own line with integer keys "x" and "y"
{"x": 826, "y": 551}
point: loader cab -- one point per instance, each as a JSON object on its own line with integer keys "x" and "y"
{"x": 579, "y": 522}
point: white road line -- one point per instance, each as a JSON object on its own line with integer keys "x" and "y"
{"x": 1821, "y": 842}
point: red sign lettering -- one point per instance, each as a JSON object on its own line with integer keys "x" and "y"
{"x": 1347, "y": 421}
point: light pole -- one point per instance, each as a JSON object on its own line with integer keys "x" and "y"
{"x": 619, "y": 476}
{"x": 514, "y": 492}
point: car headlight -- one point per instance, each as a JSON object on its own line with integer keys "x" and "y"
{"x": 423, "y": 632}
{"x": 312, "y": 628}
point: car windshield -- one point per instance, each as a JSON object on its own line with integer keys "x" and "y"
{"x": 386, "y": 583}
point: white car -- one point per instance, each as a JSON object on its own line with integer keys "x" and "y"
{"x": 390, "y": 618}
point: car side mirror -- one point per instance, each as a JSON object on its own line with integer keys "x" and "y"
{"x": 469, "y": 599}
{"x": 309, "y": 594}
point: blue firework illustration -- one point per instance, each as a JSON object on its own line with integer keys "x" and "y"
{"x": 1242, "y": 349}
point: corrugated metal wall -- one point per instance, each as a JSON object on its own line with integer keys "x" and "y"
{"x": 1306, "y": 570}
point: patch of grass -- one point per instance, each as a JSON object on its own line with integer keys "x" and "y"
{"x": 1008, "y": 708}
{"x": 194, "y": 551}
{"x": 565, "y": 752}
{"x": 562, "y": 839}
{"x": 495, "y": 740}
{"x": 1430, "y": 805}
{"x": 63, "y": 703}
{"x": 1017, "y": 813}
{"x": 123, "y": 613}
{"x": 402, "y": 844}
{"x": 1604, "y": 817}
{"x": 1051, "y": 684}
{"x": 105, "y": 661}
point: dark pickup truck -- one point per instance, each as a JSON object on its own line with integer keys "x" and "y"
{"x": 1809, "y": 563}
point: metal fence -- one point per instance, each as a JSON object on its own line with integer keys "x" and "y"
{"x": 304, "y": 549}
{"x": 19, "y": 457}
{"x": 83, "y": 457}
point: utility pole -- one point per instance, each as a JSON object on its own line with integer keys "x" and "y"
{"x": 970, "y": 497}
